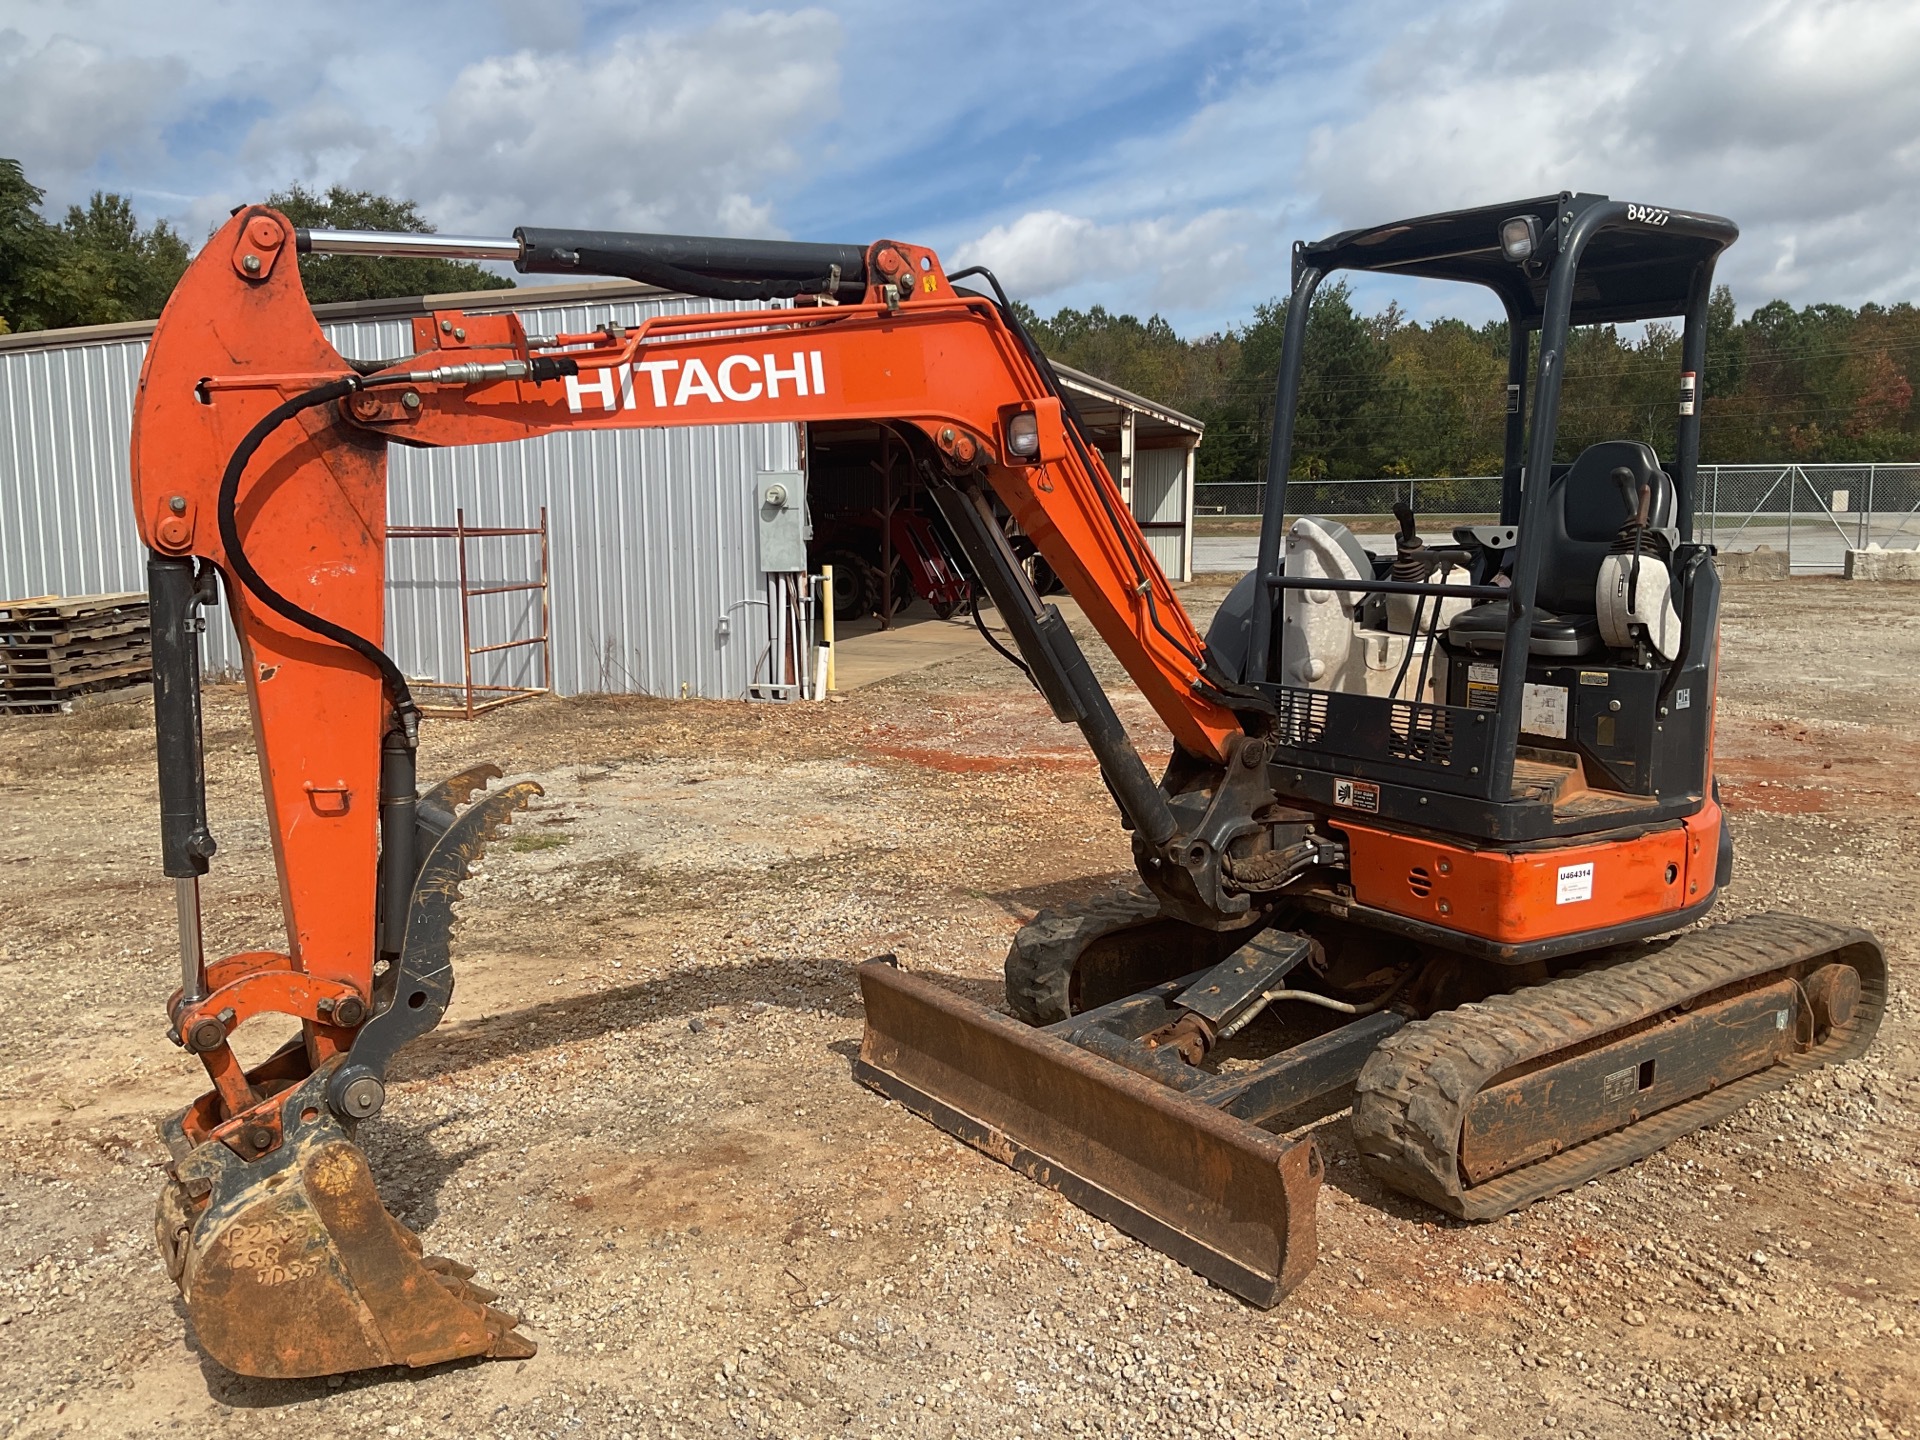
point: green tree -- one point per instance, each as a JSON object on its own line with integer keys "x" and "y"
{"x": 109, "y": 270}
{"x": 1343, "y": 380}
{"x": 97, "y": 267}
{"x": 27, "y": 244}
{"x": 330, "y": 278}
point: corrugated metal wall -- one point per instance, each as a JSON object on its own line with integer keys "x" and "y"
{"x": 652, "y": 532}
{"x": 1159, "y": 493}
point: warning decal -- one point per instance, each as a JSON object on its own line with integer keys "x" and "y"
{"x": 1483, "y": 687}
{"x": 1576, "y": 883}
{"x": 1357, "y": 795}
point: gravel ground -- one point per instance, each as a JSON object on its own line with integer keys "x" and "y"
{"x": 638, "y": 1120}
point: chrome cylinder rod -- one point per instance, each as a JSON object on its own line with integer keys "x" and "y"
{"x": 403, "y": 242}
{"x": 193, "y": 969}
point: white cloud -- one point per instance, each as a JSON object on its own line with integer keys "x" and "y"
{"x": 65, "y": 103}
{"x": 1797, "y": 118}
{"x": 665, "y": 130}
{"x": 1045, "y": 252}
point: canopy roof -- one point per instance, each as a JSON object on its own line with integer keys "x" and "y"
{"x": 1637, "y": 271}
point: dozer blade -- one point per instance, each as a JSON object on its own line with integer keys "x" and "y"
{"x": 291, "y": 1267}
{"x": 1221, "y": 1196}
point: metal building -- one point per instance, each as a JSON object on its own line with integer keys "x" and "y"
{"x": 1148, "y": 449}
{"x": 655, "y": 583}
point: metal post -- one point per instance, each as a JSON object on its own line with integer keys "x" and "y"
{"x": 1864, "y": 527}
{"x": 1555, "y": 322}
{"x": 1513, "y": 452}
{"x": 826, "y": 619}
{"x": 546, "y": 607}
{"x": 1186, "y": 517}
{"x": 1794, "y": 476}
{"x": 466, "y": 622}
{"x": 1693, "y": 361}
{"x": 1273, "y": 518}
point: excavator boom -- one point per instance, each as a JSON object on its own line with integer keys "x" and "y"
{"x": 260, "y": 457}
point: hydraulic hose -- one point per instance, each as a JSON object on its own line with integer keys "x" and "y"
{"x": 399, "y": 692}
{"x": 973, "y": 609}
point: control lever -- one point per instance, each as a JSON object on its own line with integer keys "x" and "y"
{"x": 1639, "y": 498}
{"x": 1633, "y": 534}
{"x": 1409, "y": 561}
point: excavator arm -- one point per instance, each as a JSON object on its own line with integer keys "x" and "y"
{"x": 259, "y": 454}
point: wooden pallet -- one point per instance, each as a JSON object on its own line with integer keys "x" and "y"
{"x": 53, "y": 648}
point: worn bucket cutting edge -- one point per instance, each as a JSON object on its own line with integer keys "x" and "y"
{"x": 291, "y": 1267}
{"x": 1224, "y": 1198}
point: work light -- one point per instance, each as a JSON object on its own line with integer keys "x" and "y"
{"x": 1023, "y": 434}
{"x": 1519, "y": 237}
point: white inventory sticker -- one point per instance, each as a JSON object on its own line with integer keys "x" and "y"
{"x": 1576, "y": 883}
{"x": 1543, "y": 710}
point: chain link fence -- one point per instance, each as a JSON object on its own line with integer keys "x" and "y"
{"x": 1814, "y": 513}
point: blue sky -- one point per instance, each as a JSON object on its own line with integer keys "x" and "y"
{"x": 1147, "y": 157}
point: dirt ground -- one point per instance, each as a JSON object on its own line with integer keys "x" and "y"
{"x": 638, "y": 1120}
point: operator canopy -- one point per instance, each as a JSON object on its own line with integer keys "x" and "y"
{"x": 1636, "y": 272}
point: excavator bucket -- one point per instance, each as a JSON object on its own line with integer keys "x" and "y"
{"x": 290, "y": 1266}
{"x": 271, "y": 1226}
{"x": 1222, "y": 1196}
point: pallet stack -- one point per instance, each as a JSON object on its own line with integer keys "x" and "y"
{"x": 54, "y": 648}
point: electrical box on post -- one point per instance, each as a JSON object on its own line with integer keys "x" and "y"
{"x": 783, "y": 521}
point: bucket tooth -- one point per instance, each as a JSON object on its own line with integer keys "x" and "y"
{"x": 1223, "y": 1197}
{"x": 291, "y": 1267}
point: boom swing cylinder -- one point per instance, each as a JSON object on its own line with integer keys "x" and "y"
{"x": 259, "y": 461}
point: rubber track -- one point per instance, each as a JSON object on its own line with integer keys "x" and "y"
{"x": 1413, "y": 1093}
{"x": 1046, "y": 949}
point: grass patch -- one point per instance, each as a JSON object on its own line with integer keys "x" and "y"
{"x": 545, "y": 840}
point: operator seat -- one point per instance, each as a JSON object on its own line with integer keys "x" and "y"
{"x": 1584, "y": 513}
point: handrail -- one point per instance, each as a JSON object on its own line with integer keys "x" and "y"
{"x": 1390, "y": 587}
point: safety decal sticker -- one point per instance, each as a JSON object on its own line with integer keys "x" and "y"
{"x": 1357, "y": 795}
{"x": 1576, "y": 884}
{"x": 1683, "y": 699}
{"x": 1483, "y": 687}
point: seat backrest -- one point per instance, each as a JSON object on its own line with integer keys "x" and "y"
{"x": 1585, "y": 511}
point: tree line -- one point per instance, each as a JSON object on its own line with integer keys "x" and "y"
{"x": 97, "y": 266}
{"x": 1383, "y": 395}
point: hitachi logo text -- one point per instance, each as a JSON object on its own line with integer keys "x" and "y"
{"x": 673, "y": 384}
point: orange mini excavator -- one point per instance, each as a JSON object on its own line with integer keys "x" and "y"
{"x": 1425, "y": 812}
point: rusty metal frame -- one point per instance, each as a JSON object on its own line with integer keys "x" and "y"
{"x": 478, "y": 699}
